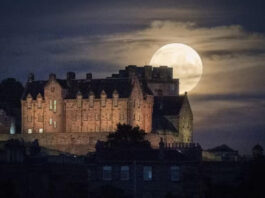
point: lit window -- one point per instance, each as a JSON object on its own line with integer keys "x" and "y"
{"x": 29, "y": 131}
{"x": 174, "y": 173}
{"x": 40, "y": 130}
{"x": 50, "y": 121}
{"x": 54, "y": 106}
{"x": 125, "y": 173}
{"x": 54, "y": 124}
{"x": 147, "y": 173}
{"x": 107, "y": 173}
{"x": 50, "y": 104}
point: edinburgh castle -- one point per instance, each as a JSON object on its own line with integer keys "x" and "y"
{"x": 81, "y": 111}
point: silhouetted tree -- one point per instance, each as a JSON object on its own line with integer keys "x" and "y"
{"x": 127, "y": 136}
{"x": 10, "y": 93}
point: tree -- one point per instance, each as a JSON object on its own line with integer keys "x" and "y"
{"x": 10, "y": 93}
{"x": 127, "y": 136}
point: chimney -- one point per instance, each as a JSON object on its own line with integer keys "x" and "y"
{"x": 30, "y": 77}
{"x": 52, "y": 76}
{"x": 70, "y": 76}
{"x": 89, "y": 76}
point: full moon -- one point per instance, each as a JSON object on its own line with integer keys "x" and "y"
{"x": 186, "y": 63}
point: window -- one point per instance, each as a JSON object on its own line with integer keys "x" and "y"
{"x": 125, "y": 173}
{"x": 107, "y": 173}
{"x": 39, "y": 118}
{"x": 40, "y": 130}
{"x": 54, "y": 124}
{"x": 109, "y": 116}
{"x": 29, "y": 104}
{"x": 138, "y": 117}
{"x": 121, "y": 116}
{"x": 29, "y": 118}
{"x": 174, "y": 173}
{"x": 50, "y": 121}
{"x": 91, "y": 101}
{"x": 50, "y": 104}
{"x": 29, "y": 131}
{"x": 115, "y": 101}
{"x": 39, "y": 104}
{"x": 54, "y": 106}
{"x": 52, "y": 89}
{"x": 85, "y": 115}
{"x": 103, "y": 101}
{"x": 97, "y": 128}
{"x": 147, "y": 174}
{"x": 97, "y": 117}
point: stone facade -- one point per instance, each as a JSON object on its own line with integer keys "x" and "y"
{"x": 55, "y": 111}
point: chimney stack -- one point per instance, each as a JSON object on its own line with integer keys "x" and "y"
{"x": 89, "y": 76}
{"x": 52, "y": 76}
{"x": 30, "y": 77}
{"x": 70, "y": 76}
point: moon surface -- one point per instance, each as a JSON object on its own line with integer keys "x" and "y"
{"x": 186, "y": 63}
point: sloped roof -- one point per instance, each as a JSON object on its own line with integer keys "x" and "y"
{"x": 72, "y": 87}
{"x": 166, "y": 111}
{"x": 168, "y": 105}
{"x": 221, "y": 148}
{"x": 34, "y": 88}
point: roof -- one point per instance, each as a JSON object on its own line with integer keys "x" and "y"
{"x": 166, "y": 112}
{"x": 136, "y": 154}
{"x": 122, "y": 85}
{"x": 168, "y": 105}
{"x": 221, "y": 148}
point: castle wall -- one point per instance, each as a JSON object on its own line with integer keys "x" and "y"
{"x": 78, "y": 143}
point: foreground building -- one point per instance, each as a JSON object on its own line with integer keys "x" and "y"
{"x": 140, "y": 96}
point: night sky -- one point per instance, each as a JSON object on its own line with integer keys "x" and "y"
{"x": 103, "y": 36}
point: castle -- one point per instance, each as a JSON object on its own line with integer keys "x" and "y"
{"x": 140, "y": 96}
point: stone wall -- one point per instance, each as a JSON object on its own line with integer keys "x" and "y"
{"x": 78, "y": 143}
